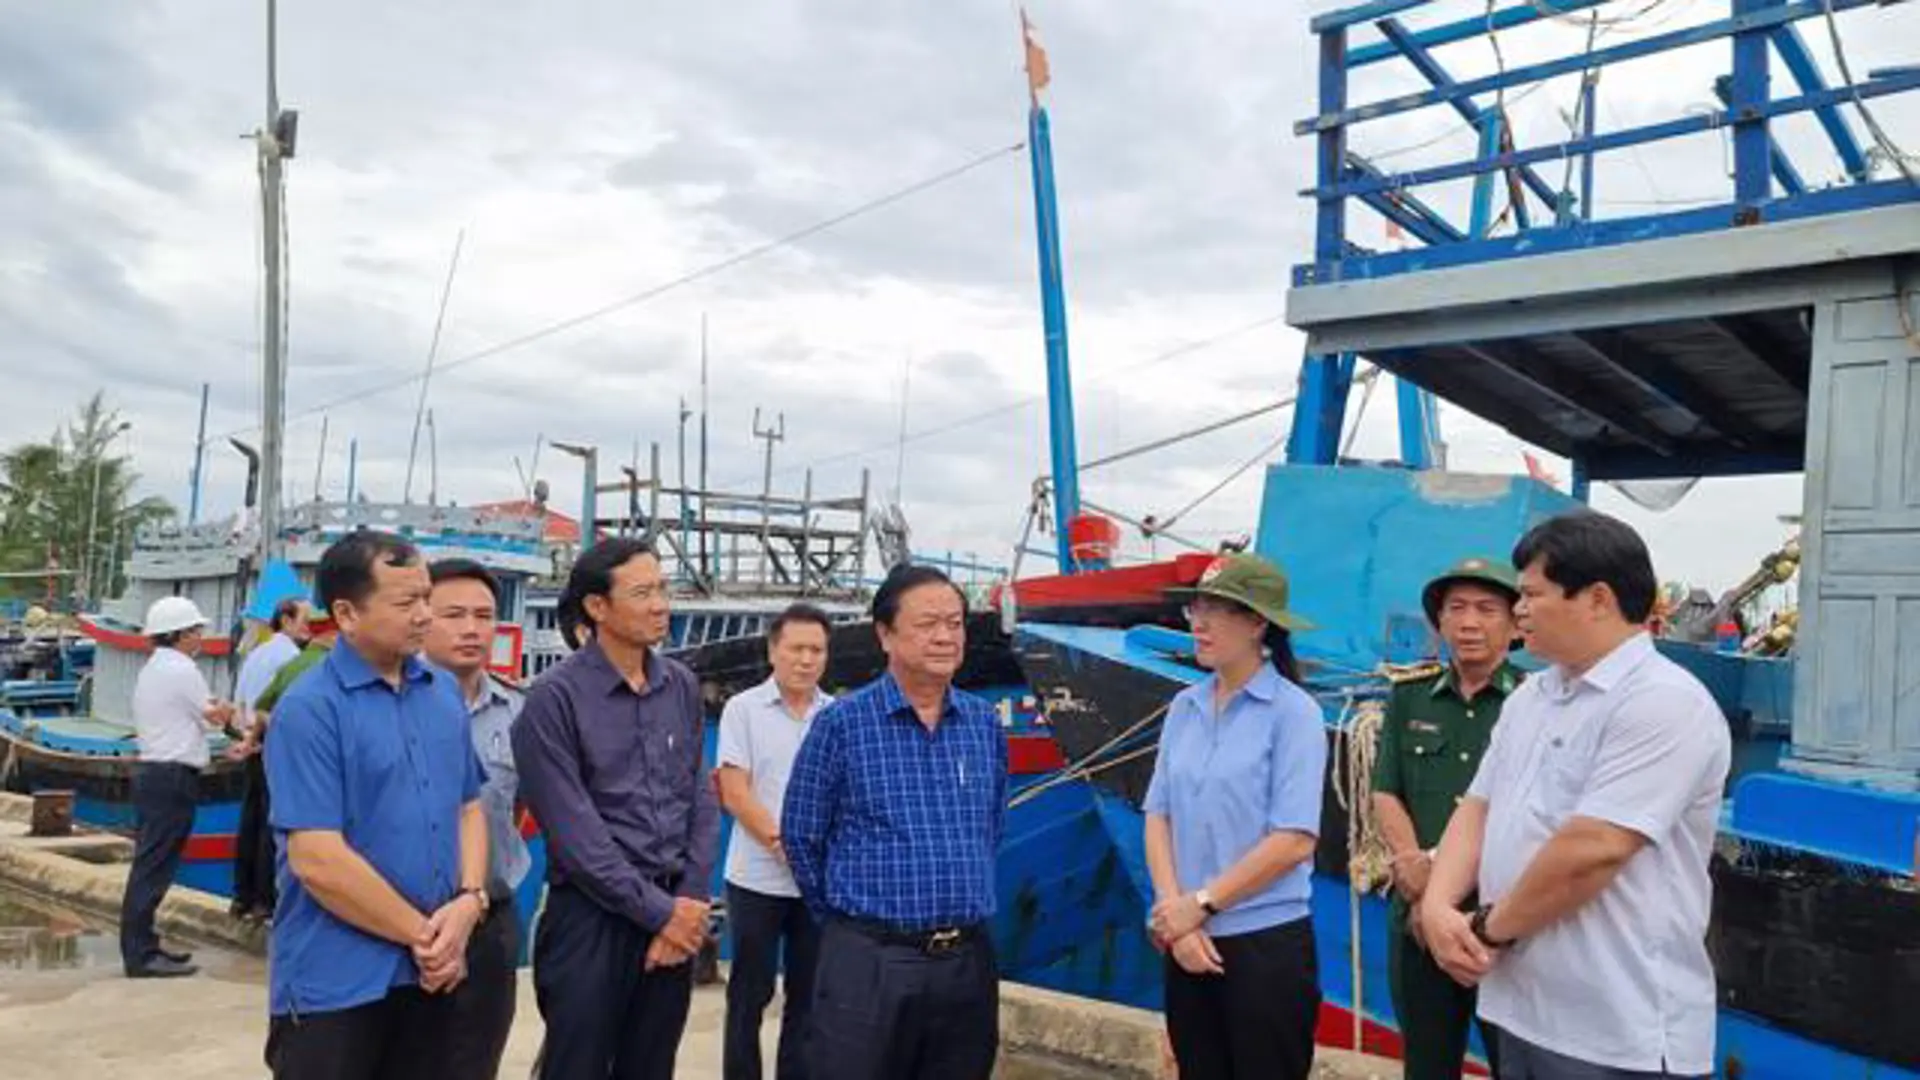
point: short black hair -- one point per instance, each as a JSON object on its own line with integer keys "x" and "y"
{"x": 592, "y": 575}
{"x": 346, "y": 568}
{"x": 799, "y": 613}
{"x": 900, "y": 580}
{"x": 284, "y": 612}
{"x": 168, "y": 640}
{"x": 464, "y": 570}
{"x": 1583, "y": 548}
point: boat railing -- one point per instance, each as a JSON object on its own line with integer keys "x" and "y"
{"x": 1774, "y": 175}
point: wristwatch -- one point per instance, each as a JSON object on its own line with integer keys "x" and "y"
{"x": 1205, "y": 899}
{"x": 1478, "y": 924}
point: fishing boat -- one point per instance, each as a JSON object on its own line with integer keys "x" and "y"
{"x": 1773, "y": 332}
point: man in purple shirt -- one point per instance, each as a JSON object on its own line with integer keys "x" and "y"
{"x": 609, "y": 747}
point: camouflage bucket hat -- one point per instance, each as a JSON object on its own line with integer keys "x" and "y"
{"x": 1493, "y": 573}
{"x": 1250, "y": 581}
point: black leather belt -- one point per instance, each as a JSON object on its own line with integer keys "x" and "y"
{"x": 934, "y": 942}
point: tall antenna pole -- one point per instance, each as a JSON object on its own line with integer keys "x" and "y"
{"x": 685, "y": 414}
{"x": 199, "y": 457}
{"x": 353, "y": 469}
{"x": 433, "y": 351}
{"x": 773, "y": 433}
{"x": 320, "y": 462}
{"x": 275, "y": 142}
{"x": 433, "y": 462}
{"x": 706, "y": 569}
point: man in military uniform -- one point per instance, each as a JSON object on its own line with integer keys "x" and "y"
{"x": 1436, "y": 728}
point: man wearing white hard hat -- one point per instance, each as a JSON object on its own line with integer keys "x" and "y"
{"x": 172, "y": 710}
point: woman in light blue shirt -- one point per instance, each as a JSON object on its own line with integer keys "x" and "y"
{"x": 1233, "y": 813}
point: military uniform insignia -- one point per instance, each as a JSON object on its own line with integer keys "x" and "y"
{"x": 1424, "y": 727}
{"x": 1213, "y": 570}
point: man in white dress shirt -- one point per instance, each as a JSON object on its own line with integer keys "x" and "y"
{"x": 1588, "y": 830}
{"x": 172, "y": 710}
{"x": 760, "y": 733}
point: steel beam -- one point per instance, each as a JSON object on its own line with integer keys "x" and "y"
{"x": 1465, "y": 29}
{"x": 1785, "y": 173}
{"x": 1775, "y": 15}
{"x": 1571, "y": 392}
{"x": 1662, "y": 380}
{"x": 1806, "y": 72}
{"x": 1424, "y": 62}
{"x": 1763, "y": 345}
{"x": 1687, "y": 125}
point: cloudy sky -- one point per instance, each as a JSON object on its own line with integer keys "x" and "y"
{"x": 594, "y": 152}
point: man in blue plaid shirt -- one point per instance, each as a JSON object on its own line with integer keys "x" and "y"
{"x": 892, "y": 818}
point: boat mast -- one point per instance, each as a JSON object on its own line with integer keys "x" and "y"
{"x": 199, "y": 457}
{"x": 275, "y": 141}
{"x": 1053, "y": 305}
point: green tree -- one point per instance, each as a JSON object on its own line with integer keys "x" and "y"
{"x": 51, "y": 490}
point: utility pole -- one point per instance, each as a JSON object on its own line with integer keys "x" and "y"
{"x": 275, "y": 141}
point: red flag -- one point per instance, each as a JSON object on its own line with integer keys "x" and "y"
{"x": 1538, "y": 471}
{"x": 1038, "y": 73}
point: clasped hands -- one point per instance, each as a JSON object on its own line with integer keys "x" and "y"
{"x": 1447, "y": 933}
{"x": 440, "y": 948}
{"x": 680, "y": 940}
{"x": 1177, "y": 927}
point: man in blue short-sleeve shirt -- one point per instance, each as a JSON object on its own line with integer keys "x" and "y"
{"x": 382, "y": 849}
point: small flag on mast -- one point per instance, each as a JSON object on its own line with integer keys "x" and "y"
{"x": 1038, "y": 73}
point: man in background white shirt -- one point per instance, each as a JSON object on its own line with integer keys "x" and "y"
{"x": 253, "y": 888}
{"x": 760, "y": 733}
{"x": 172, "y": 709}
{"x": 1588, "y": 829}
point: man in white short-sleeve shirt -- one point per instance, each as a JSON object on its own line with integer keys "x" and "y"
{"x": 760, "y": 733}
{"x": 1588, "y": 830}
{"x": 172, "y": 709}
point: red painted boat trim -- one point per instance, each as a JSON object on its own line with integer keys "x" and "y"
{"x": 1127, "y": 585}
{"x": 1032, "y": 755}
{"x": 1336, "y": 1030}
{"x": 210, "y": 847}
{"x": 127, "y": 641}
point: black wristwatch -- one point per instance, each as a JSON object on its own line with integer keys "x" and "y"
{"x": 1478, "y": 924}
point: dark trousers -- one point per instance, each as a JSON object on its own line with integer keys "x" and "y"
{"x": 483, "y": 1004}
{"x": 767, "y": 930}
{"x": 606, "y": 1016}
{"x": 1434, "y": 1013}
{"x": 253, "y": 885}
{"x": 896, "y": 1012}
{"x": 1255, "y": 1021}
{"x": 403, "y": 1036}
{"x": 164, "y": 796}
{"x": 1522, "y": 1060}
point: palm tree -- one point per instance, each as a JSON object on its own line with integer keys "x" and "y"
{"x": 51, "y": 490}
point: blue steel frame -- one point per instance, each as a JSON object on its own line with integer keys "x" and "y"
{"x": 1767, "y": 184}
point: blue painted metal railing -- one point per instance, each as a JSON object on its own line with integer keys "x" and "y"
{"x": 1768, "y": 185}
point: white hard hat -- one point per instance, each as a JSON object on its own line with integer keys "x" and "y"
{"x": 171, "y": 614}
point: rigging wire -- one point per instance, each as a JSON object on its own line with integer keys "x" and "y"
{"x": 653, "y": 292}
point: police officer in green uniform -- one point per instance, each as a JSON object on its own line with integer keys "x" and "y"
{"x": 1436, "y": 728}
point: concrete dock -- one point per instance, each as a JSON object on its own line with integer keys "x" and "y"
{"x": 82, "y": 1018}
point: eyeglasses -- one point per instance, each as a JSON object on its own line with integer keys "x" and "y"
{"x": 1202, "y": 610}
